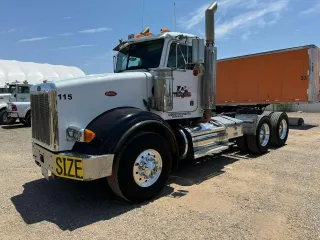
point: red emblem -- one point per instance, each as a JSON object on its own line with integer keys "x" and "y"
{"x": 110, "y": 93}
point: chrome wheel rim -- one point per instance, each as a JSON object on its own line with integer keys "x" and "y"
{"x": 283, "y": 129}
{"x": 264, "y": 134}
{"x": 147, "y": 168}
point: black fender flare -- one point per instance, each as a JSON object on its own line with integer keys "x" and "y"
{"x": 114, "y": 127}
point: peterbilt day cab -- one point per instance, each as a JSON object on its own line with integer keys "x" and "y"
{"x": 135, "y": 125}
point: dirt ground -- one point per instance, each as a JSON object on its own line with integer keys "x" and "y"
{"x": 233, "y": 196}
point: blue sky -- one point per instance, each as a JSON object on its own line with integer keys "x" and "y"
{"x": 82, "y": 33}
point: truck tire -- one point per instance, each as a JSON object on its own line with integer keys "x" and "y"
{"x": 280, "y": 128}
{"x": 242, "y": 144}
{"x": 27, "y": 120}
{"x": 4, "y": 120}
{"x": 259, "y": 143}
{"x": 141, "y": 167}
{"x": 2, "y": 117}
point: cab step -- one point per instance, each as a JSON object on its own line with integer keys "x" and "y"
{"x": 210, "y": 150}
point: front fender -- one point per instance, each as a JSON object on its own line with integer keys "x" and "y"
{"x": 114, "y": 127}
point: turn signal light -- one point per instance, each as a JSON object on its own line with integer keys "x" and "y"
{"x": 88, "y": 135}
{"x": 79, "y": 134}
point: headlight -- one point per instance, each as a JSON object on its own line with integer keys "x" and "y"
{"x": 79, "y": 134}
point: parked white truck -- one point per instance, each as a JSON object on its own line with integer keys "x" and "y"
{"x": 135, "y": 125}
{"x": 19, "y": 77}
{"x": 4, "y": 98}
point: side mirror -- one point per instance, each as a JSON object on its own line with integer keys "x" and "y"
{"x": 197, "y": 51}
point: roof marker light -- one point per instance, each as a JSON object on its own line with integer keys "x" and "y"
{"x": 164, "y": 30}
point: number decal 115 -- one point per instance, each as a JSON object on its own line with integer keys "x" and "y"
{"x": 65, "y": 96}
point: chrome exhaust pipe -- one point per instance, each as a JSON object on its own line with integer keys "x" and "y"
{"x": 209, "y": 18}
{"x": 209, "y": 78}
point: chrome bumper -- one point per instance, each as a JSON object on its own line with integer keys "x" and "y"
{"x": 93, "y": 167}
{"x": 13, "y": 114}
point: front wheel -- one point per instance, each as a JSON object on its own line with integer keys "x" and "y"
{"x": 141, "y": 168}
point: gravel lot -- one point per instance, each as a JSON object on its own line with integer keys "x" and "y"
{"x": 233, "y": 196}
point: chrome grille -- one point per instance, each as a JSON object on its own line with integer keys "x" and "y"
{"x": 44, "y": 119}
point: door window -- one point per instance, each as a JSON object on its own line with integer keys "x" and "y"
{"x": 179, "y": 55}
{"x": 24, "y": 89}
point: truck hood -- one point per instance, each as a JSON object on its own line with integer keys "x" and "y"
{"x": 81, "y": 100}
{"x": 100, "y": 79}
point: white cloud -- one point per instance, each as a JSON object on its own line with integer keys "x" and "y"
{"x": 246, "y": 35}
{"x": 314, "y": 9}
{"x": 95, "y": 30}
{"x": 8, "y": 31}
{"x": 251, "y": 18}
{"x": 104, "y": 57}
{"x": 250, "y": 13}
{"x": 66, "y": 34}
{"x": 33, "y": 39}
{"x": 67, "y": 18}
{"x": 75, "y": 46}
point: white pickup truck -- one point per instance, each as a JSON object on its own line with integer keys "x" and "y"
{"x": 21, "y": 111}
{"x": 4, "y": 98}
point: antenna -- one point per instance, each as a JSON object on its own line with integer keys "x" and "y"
{"x": 174, "y": 15}
{"x": 142, "y": 13}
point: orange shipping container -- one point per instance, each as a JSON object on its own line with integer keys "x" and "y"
{"x": 282, "y": 76}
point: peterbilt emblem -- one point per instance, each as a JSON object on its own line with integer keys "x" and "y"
{"x": 111, "y": 93}
{"x": 38, "y": 88}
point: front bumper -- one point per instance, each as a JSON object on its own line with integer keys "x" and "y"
{"x": 13, "y": 114}
{"x": 72, "y": 165}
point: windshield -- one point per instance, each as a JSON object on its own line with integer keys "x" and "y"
{"x": 3, "y": 90}
{"x": 142, "y": 55}
{"x": 12, "y": 88}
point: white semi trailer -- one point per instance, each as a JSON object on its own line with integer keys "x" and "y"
{"x": 18, "y": 77}
{"x": 135, "y": 125}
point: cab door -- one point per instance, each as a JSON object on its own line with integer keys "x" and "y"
{"x": 185, "y": 84}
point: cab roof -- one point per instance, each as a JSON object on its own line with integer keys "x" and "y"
{"x": 154, "y": 37}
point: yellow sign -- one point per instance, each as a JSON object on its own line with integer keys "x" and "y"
{"x": 69, "y": 167}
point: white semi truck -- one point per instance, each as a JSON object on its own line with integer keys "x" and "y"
{"x": 18, "y": 77}
{"x": 134, "y": 126}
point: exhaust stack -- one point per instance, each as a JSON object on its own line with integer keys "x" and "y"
{"x": 209, "y": 78}
{"x": 209, "y": 17}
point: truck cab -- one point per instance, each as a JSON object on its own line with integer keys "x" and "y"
{"x": 171, "y": 51}
{"x": 20, "y": 92}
